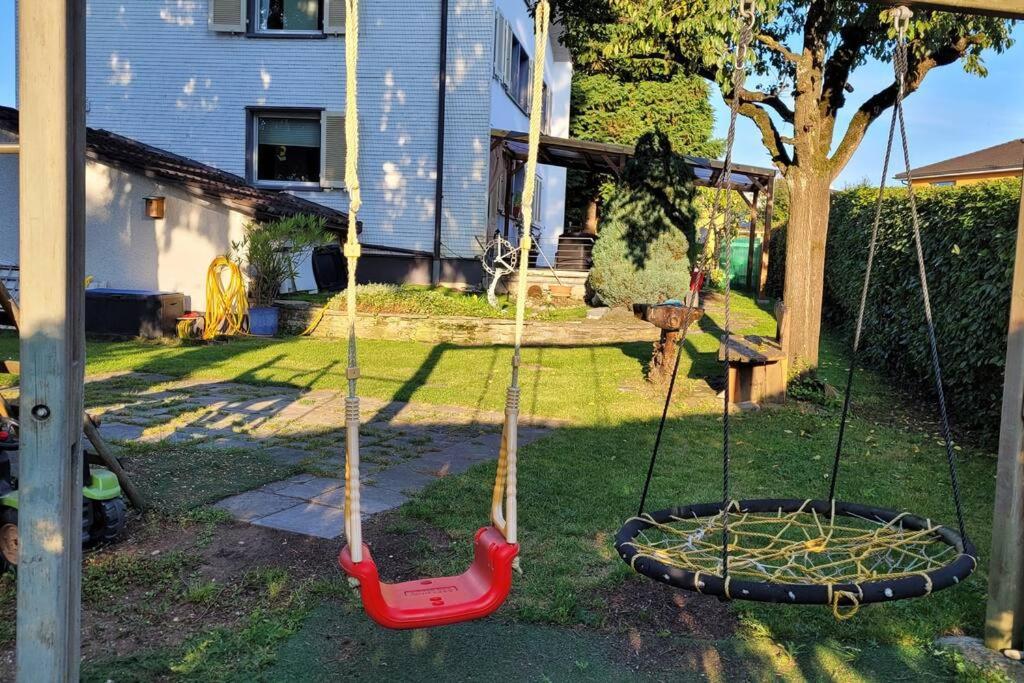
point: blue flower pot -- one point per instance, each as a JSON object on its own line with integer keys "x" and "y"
{"x": 263, "y": 321}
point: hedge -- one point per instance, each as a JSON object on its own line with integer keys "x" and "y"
{"x": 969, "y": 238}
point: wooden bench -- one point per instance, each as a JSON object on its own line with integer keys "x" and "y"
{"x": 758, "y": 366}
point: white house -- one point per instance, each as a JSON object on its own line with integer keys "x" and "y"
{"x": 256, "y": 88}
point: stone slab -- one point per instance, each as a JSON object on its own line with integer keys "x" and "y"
{"x": 311, "y": 488}
{"x": 287, "y": 456}
{"x": 401, "y": 478}
{"x": 121, "y": 432}
{"x": 253, "y": 505}
{"x": 286, "y": 483}
{"x": 309, "y": 519}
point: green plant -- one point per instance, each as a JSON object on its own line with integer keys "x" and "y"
{"x": 271, "y": 253}
{"x": 648, "y": 240}
{"x": 969, "y": 241}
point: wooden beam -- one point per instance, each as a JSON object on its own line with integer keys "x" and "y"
{"x": 52, "y": 221}
{"x": 1004, "y": 621}
{"x": 1010, "y": 9}
{"x": 750, "y": 247}
{"x": 769, "y": 219}
{"x": 7, "y": 148}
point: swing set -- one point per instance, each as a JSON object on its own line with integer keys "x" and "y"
{"x": 793, "y": 551}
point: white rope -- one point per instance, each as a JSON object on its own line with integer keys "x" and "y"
{"x": 505, "y": 518}
{"x": 353, "y": 517}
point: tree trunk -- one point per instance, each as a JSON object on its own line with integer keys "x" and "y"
{"x": 805, "y": 263}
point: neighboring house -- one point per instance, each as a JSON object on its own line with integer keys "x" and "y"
{"x": 993, "y": 163}
{"x": 256, "y": 88}
{"x": 205, "y": 209}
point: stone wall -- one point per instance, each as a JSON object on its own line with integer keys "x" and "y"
{"x": 295, "y": 317}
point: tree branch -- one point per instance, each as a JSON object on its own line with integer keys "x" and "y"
{"x": 777, "y": 46}
{"x": 868, "y": 112}
{"x": 854, "y": 37}
{"x": 770, "y": 100}
{"x": 770, "y": 135}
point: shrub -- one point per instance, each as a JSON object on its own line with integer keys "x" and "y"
{"x": 271, "y": 253}
{"x": 969, "y": 242}
{"x": 646, "y": 241}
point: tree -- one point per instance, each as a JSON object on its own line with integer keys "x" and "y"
{"x": 610, "y": 108}
{"x": 648, "y": 242}
{"x": 804, "y": 54}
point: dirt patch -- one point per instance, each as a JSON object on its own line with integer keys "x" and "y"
{"x": 655, "y": 622}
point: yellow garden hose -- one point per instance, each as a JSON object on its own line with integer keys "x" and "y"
{"x": 227, "y": 306}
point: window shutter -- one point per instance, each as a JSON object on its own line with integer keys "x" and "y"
{"x": 497, "y": 44}
{"x": 228, "y": 16}
{"x": 332, "y": 149}
{"x": 334, "y": 17}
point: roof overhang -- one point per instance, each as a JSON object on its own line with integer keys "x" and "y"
{"x": 599, "y": 157}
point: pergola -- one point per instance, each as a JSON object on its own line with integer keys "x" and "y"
{"x": 52, "y": 353}
{"x": 751, "y": 182}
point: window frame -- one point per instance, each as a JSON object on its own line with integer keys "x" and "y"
{"x": 253, "y": 114}
{"x": 254, "y": 30}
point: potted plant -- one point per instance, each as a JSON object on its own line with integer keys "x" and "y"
{"x": 270, "y": 253}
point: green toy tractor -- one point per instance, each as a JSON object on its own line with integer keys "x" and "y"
{"x": 103, "y": 508}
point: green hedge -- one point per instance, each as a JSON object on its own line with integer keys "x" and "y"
{"x": 969, "y": 239}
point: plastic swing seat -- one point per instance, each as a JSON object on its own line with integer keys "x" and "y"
{"x": 425, "y": 603}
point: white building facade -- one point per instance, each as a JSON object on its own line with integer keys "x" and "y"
{"x": 257, "y": 88}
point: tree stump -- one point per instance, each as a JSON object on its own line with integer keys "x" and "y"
{"x": 670, "y": 319}
{"x": 663, "y": 360}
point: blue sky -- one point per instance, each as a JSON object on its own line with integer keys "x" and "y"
{"x": 953, "y": 113}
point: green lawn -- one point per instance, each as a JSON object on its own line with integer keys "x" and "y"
{"x": 580, "y": 483}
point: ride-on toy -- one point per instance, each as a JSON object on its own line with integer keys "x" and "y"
{"x": 103, "y": 508}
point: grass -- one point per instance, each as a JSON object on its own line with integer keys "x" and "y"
{"x": 438, "y": 301}
{"x": 576, "y": 488}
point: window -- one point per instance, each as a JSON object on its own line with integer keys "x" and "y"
{"x": 945, "y": 183}
{"x": 546, "y": 110}
{"x": 286, "y": 148}
{"x": 512, "y": 64}
{"x": 289, "y": 16}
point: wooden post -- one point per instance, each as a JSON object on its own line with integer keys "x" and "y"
{"x": 1004, "y": 625}
{"x": 766, "y": 243}
{"x": 52, "y": 219}
{"x": 753, "y": 238}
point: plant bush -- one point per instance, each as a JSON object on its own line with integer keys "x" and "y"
{"x": 647, "y": 239}
{"x": 271, "y": 253}
{"x": 969, "y": 238}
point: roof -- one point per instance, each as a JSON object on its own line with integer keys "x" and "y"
{"x": 195, "y": 178}
{"x": 609, "y": 158}
{"x": 1008, "y": 157}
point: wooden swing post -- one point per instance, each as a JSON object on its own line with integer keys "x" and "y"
{"x": 51, "y": 82}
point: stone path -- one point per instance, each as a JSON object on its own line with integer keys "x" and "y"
{"x": 405, "y": 446}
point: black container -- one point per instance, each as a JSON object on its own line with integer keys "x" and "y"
{"x": 132, "y": 312}
{"x": 329, "y": 269}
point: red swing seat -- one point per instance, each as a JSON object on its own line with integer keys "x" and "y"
{"x": 424, "y": 603}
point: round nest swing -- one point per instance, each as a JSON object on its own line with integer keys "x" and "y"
{"x": 797, "y": 551}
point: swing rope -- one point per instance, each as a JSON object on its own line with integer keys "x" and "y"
{"x": 901, "y": 17}
{"x": 504, "y": 510}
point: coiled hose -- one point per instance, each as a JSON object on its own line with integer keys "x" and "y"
{"x": 227, "y": 306}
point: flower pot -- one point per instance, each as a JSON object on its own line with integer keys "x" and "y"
{"x": 263, "y": 321}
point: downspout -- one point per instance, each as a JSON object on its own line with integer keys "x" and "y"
{"x": 442, "y": 101}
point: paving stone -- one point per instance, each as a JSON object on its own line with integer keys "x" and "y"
{"x": 252, "y": 505}
{"x": 405, "y": 477}
{"x": 287, "y": 483}
{"x": 121, "y": 432}
{"x": 287, "y": 456}
{"x": 226, "y": 442}
{"x": 374, "y": 499}
{"x": 308, "y": 519}
{"x": 312, "y": 488}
